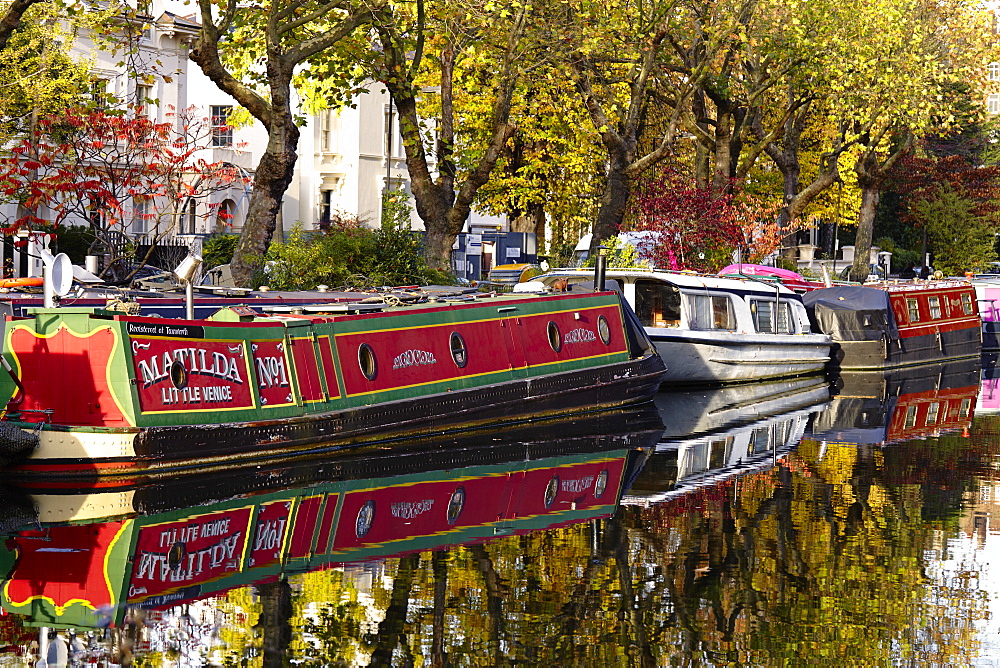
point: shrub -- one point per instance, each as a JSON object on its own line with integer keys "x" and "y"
{"x": 218, "y": 249}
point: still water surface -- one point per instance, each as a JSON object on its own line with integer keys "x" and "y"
{"x": 779, "y": 523}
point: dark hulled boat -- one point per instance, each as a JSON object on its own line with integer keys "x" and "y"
{"x": 105, "y": 393}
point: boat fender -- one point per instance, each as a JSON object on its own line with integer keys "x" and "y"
{"x": 15, "y": 443}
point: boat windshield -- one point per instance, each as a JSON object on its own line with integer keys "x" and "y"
{"x": 657, "y": 304}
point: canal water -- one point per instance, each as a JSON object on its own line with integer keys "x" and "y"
{"x": 845, "y": 521}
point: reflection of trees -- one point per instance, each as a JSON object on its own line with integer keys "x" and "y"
{"x": 821, "y": 558}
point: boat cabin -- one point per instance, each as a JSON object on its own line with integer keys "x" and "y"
{"x": 665, "y": 299}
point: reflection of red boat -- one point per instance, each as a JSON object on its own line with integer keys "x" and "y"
{"x": 117, "y": 394}
{"x": 84, "y": 573}
{"x": 877, "y": 407}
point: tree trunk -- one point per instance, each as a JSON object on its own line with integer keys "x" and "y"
{"x": 273, "y": 176}
{"x": 275, "y": 621}
{"x": 866, "y": 224}
{"x": 614, "y": 201}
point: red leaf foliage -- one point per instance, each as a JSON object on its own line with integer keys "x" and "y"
{"x": 698, "y": 229}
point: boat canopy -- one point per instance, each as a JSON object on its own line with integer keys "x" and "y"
{"x": 851, "y": 313}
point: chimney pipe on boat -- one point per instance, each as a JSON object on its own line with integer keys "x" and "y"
{"x": 600, "y": 268}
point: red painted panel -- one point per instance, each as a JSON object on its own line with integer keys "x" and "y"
{"x": 578, "y": 335}
{"x": 80, "y": 363}
{"x": 326, "y": 524}
{"x": 329, "y": 368}
{"x": 306, "y": 369}
{"x": 206, "y": 547}
{"x": 269, "y": 532}
{"x": 304, "y": 526}
{"x": 62, "y": 576}
{"x": 376, "y": 516}
{"x": 568, "y": 488}
{"x": 420, "y": 355}
{"x": 216, "y": 374}
{"x": 274, "y": 379}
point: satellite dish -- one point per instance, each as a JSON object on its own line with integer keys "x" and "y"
{"x": 61, "y": 271}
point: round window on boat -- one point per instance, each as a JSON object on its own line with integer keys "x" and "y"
{"x": 175, "y": 555}
{"x": 178, "y": 375}
{"x": 555, "y": 339}
{"x": 459, "y": 352}
{"x": 455, "y": 504}
{"x": 604, "y": 330}
{"x": 551, "y": 490}
{"x": 366, "y": 359}
{"x": 365, "y": 518}
{"x": 601, "y": 483}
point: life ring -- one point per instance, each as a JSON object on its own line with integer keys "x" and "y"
{"x": 21, "y": 282}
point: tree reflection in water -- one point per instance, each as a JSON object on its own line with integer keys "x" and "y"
{"x": 822, "y": 558}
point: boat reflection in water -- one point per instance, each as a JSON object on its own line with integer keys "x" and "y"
{"x": 882, "y": 407}
{"x": 989, "y": 394}
{"x": 716, "y": 434}
{"x": 93, "y": 555}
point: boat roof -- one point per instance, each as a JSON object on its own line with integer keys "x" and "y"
{"x": 682, "y": 279}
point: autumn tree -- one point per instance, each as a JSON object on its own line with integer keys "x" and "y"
{"x": 908, "y": 55}
{"x": 428, "y": 47}
{"x": 696, "y": 227}
{"x": 117, "y": 171}
{"x": 257, "y": 53}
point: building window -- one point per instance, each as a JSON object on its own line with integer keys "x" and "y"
{"x": 222, "y": 133}
{"x": 325, "y": 207}
{"x": 224, "y": 216}
{"x": 99, "y": 93}
{"x": 993, "y": 71}
{"x": 189, "y": 217}
{"x": 144, "y": 101}
{"x": 140, "y": 214}
{"x": 326, "y": 128}
{"x": 993, "y": 104}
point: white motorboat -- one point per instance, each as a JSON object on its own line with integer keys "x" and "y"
{"x": 710, "y": 329}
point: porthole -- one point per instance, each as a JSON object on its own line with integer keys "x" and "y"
{"x": 366, "y": 359}
{"x": 603, "y": 330}
{"x": 459, "y": 353}
{"x": 601, "y": 483}
{"x": 455, "y": 504}
{"x": 551, "y": 490}
{"x": 555, "y": 339}
{"x": 365, "y": 518}
{"x": 178, "y": 375}
{"x": 175, "y": 555}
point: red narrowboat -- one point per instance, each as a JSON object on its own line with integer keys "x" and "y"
{"x": 885, "y": 325}
{"x": 101, "y": 392}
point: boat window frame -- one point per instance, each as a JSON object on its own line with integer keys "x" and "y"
{"x": 554, "y": 336}
{"x": 912, "y": 309}
{"x": 966, "y": 303}
{"x": 774, "y": 316}
{"x": 934, "y": 307}
{"x": 714, "y": 313}
{"x": 458, "y": 351}
{"x": 604, "y": 330}
{"x": 933, "y": 413}
{"x": 366, "y": 354}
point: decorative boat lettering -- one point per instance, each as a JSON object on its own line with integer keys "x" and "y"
{"x": 274, "y": 378}
{"x": 577, "y": 486}
{"x": 209, "y": 375}
{"x": 407, "y": 510}
{"x": 195, "y": 360}
{"x": 413, "y": 358}
{"x": 579, "y": 335}
{"x": 168, "y": 329}
{"x": 194, "y": 551}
